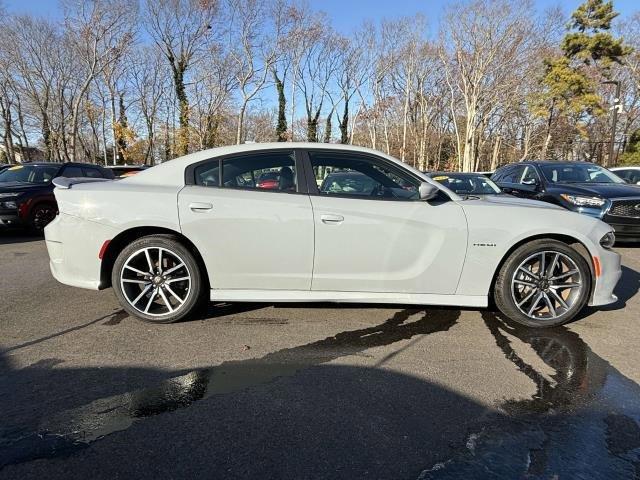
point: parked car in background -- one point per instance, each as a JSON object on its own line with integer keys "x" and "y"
{"x": 582, "y": 187}
{"x": 467, "y": 183}
{"x": 26, "y": 191}
{"x": 628, "y": 174}
{"x": 122, "y": 171}
{"x": 375, "y": 230}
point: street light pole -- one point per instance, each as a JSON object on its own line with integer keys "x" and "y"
{"x": 614, "y": 120}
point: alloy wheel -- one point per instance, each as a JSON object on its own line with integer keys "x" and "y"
{"x": 546, "y": 285}
{"x": 43, "y": 216}
{"x": 155, "y": 281}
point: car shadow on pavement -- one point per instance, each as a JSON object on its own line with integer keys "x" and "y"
{"x": 10, "y": 236}
{"x": 625, "y": 290}
{"x": 294, "y": 414}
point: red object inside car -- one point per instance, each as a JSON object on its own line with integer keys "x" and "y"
{"x": 269, "y": 184}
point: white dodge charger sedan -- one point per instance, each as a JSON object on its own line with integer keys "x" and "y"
{"x": 301, "y": 222}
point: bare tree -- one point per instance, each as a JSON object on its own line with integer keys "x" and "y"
{"x": 181, "y": 29}
{"x": 483, "y": 42}
{"x": 97, "y": 32}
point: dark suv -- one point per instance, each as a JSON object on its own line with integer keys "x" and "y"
{"x": 579, "y": 186}
{"x": 26, "y": 191}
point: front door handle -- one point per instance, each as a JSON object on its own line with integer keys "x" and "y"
{"x": 331, "y": 219}
{"x": 199, "y": 207}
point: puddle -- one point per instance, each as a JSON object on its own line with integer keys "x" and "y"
{"x": 76, "y": 428}
{"x": 582, "y": 422}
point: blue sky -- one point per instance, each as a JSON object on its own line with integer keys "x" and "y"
{"x": 347, "y": 13}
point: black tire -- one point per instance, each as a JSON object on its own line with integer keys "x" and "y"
{"x": 169, "y": 243}
{"x": 41, "y": 215}
{"x": 503, "y": 294}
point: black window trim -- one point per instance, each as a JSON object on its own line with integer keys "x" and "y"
{"x": 314, "y": 190}
{"x": 301, "y": 183}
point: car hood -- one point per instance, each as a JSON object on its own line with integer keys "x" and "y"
{"x": 511, "y": 200}
{"x": 606, "y": 190}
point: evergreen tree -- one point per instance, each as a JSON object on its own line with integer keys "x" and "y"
{"x": 569, "y": 82}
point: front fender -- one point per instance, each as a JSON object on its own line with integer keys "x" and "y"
{"x": 493, "y": 234}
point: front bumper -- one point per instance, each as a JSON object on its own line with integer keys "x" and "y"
{"x": 73, "y": 245}
{"x": 626, "y": 231}
{"x": 10, "y": 218}
{"x": 605, "y": 283}
{"x": 627, "y": 226}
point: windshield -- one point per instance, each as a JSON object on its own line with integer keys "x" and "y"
{"x": 579, "y": 173}
{"x": 468, "y": 184}
{"x": 29, "y": 173}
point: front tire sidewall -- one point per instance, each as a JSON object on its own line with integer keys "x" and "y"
{"x": 504, "y": 299}
{"x": 167, "y": 243}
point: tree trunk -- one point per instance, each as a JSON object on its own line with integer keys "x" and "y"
{"x": 547, "y": 138}
{"x": 182, "y": 147}
{"x": 281, "y": 127}
{"x": 327, "y": 129}
{"x": 240, "y": 129}
{"x": 343, "y": 124}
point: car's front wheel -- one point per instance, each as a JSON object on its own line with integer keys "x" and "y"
{"x": 543, "y": 283}
{"x": 157, "y": 279}
{"x": 41, "y": 215}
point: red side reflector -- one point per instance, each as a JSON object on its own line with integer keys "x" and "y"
{"x": 596, "y": 266}
{"x": 103, "y": 249}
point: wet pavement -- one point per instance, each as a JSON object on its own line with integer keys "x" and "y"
{"x": 263, "y": 391}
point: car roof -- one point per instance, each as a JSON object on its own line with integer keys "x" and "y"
{"x": 172, "y": 171}
{"x": 56, "y": 164}
{"x": 625, "y": 168}
{"x": 549, "y": 162}
{"x": 348, "y": 172}
{"x": 465, "y": 174}
{"x": 126, "y": 166}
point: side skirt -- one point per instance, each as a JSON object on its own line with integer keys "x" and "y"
{"x": 277, "y": 296}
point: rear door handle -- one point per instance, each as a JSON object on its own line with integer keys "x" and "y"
{"x": 331, "y": 219}
{"x": 200, "y": 207}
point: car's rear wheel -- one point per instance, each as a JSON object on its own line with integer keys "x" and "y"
{"x": 157, "y": 279}
{"x": 543, "y": 283}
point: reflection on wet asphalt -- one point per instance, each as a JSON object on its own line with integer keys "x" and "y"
{"x": 76, "y": 428}
{"x": 582, "y": 422}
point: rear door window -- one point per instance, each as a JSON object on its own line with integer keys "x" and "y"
{"x": 92, "y": 172}
{"x": 267, "y": 171}
{"x": 71, "y": 172}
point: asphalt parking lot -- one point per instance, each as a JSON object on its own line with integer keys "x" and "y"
{"x": 264, "y": 391}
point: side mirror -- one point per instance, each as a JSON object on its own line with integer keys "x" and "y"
{"x": 531, "y": 182}
{"x": 427, "y": 191}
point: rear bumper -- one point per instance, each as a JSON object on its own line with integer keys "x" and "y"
{"x": 610, "y": 273}
{"x": 73, "y": 245}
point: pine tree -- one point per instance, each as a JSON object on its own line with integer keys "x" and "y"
{"x": 569, "y": 81}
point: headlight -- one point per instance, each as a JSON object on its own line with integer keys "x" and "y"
{"x": 10, "y": 195}
{"x": 9, "y": 205}
{"x": 583, "y": 201}
{"x": 608, "y": 240}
